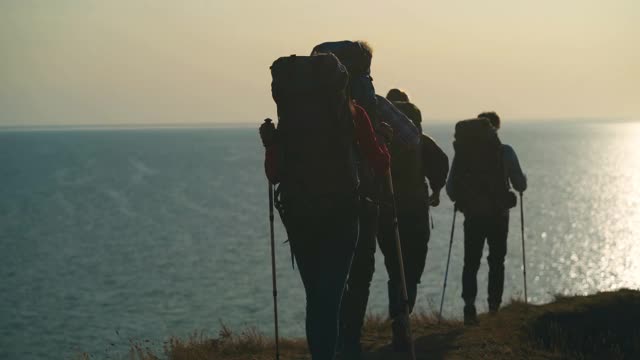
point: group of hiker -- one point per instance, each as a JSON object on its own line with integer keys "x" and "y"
{"x": 353, "y": 170}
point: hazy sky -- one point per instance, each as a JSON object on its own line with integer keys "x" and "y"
{"x": 155, "y": 61}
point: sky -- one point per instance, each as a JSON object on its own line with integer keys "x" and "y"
{"x": 88, "y": 62}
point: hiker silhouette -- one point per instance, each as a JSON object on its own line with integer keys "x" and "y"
{"x": 414, "y": 170}
{"x": 482, "y": 172}
{"x": 310, "y": 155}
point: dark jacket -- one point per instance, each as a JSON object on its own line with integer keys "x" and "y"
{"x": 435, "y": 163}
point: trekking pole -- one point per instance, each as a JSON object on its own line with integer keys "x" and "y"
{"x": 524, "y": 258}
{"x": 446, "y": 272}
{"x": 273, "y": 269}
{"x": 403, "y": 283}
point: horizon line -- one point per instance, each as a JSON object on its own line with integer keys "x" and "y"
{"x": 246, "y": 124}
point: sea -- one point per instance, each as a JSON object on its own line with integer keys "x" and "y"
{"x": 116, "y": 236}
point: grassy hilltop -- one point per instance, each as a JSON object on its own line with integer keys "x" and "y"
{"x": 601, "y": 326}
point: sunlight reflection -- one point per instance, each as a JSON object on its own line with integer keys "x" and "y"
{"x": 624, "y": 222}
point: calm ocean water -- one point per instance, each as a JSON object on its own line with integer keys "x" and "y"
{"x": 112, "y": 235}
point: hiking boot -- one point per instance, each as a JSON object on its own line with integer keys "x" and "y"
{"x": 493, "y": 309}
{"x": 351, "y": 352}
{"x": 400, "y": 334}
{"x": 470, "y": 315}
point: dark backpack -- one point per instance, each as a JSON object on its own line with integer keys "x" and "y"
{"x": 479, "y": 180}
{"x": 358, "y": 63}
{"x": 408, "y": 178}
{"x": 350, "y": 53}
{"x": 315, "y": 130}
{"x": 406, "y": 156}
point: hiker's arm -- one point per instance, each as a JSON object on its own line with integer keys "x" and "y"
{"x": 450, "y": 189}
{"x": 268, "y": 135}
{"x": 435, "y": 163}
{"x": 514, "y": 171}
{"x": 377, "y": 155}
{"x": 271, "y": 163}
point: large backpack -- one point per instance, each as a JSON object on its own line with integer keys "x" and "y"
{"x": 479, "y": 180}
{"x": 315, "y": 130}
{"x": 406, "y": 156}
{"x": 350, "y": 53}
{"x": 358, "y": 63}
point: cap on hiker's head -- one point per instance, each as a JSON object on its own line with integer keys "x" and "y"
{"x": 397, "y": 95}
{"x": 492, "y": 117}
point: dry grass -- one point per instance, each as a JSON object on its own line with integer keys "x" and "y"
{"x": 249, "y": 344}
{"x": 601, "y": 326}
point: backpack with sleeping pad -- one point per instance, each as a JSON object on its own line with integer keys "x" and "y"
{"x": 315, "y": 131}
{"x": 480, "y": 179}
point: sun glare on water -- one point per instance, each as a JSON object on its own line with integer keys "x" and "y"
{"x": 621, "y": 227}
{"x": 589, "y": 231}
{"x": 630, "y": 206}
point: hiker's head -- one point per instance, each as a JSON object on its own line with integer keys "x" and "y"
{"x": 397, "y": 95}
{"x": 366, "y": 47}
{"x": 492, "y": 117}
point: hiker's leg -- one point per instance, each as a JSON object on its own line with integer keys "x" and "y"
{"x": 337, "y": 236}
{"x": 474, "y": 236}
{"x": 356, "y": 295}
{"x": 497, "y": 240}
{"x": 303, "y": 249}
{"x": 386, "y": 242}
{"x": 414, "y": 237}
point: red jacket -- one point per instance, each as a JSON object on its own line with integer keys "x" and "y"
{"x": 377, "y": 155}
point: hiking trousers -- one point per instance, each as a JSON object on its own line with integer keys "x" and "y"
{"x": 477, "y": 228}
{"x": 323, "y": 243}
{"x": 413, "y": 224}
{"x": 356, "y": 294}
